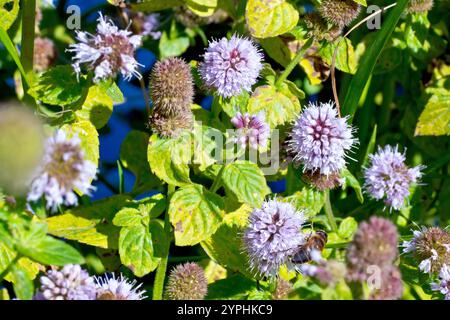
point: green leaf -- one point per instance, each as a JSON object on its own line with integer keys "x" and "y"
{"x": 195, "y": 214}
{"x": 23, "y": 286}
{"x": 307, "y": 199}
{"x": 149, "y": 208}
{"x": 172, "y": 47}
{"x": 112, "y": 90}
{"x": 88, "y": 135}
{"x": 97, "y": 108}
{"x": 7, "y": 255}
{"x": 267, "y": 19}
{"x": 90, "y": 224}
{"x": 203, "y": 8}
{"x": 361, "y": 2}
{"x": 369, "y": 59}
{"x": 280, "y": 105}
{"x": 370, "y": 147}
{"x": 345, "y": 55}
{"x": 155, "y": 5}
{"x": 347, "y": 228}
{"x": 225, "y": 245}
{"x": 50, "y": 251}
{"x": 350, "y": 180}
{"x": 133, "y": 155}
{"x": 137, "y": 247}
{"x": 169, "y": 158}
{"x": 246, "y": 181}
{"x": 435, "y": 118}
{"x": 277, "y": 49}
{"x": 207, "y": 140}
{"x": 9, "y": 45}
{"x": 58, "y": 86}
{"x": 234, "y": 287}
{"x": 9, "y": 9}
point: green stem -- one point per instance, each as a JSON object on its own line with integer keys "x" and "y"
{"x": 294, "y": 62}
{"x": 329, "y": 211}
{"x": 27, "y": 42}
{"x": 158, "y": 286}
{"x": 216, "y": 184}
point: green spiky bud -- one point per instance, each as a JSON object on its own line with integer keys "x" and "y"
{"x": 339, "y": 12}
{"x": 171, "y": 86}
{"x": 318, "y": 28}
{"x": 187, "y": 282}
{"x": 21, "y": 147}
{"x": 419, "y": 6}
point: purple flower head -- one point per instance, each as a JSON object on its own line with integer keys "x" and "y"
{"x": 251, "y": 129}
{"x": 64, "y": 170}
{"x": 391, "y": 285}
{"x": 108, "y": 52}
{"x": 231, "y": 66}
{"x": 375, "y": 243}
{"x": 70, "y": 283}
{"x": 320, "y": 139}
{"x": 112, "y": 288}
{"x": 443, "y": 286}
{"x": 430, "y": 247}
{"x": 388, "y": 177}
{"x": 327, "y": 272}
{"x": 150, "y": 24}
{"x": 273, "y": 235}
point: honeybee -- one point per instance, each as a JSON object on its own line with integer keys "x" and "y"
{"x": 315, "y": 241}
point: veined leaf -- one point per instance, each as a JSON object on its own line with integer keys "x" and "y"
{"x": 246, "y": 181}
{"x": 195, "y": 214}
{"x": 9, "y": 9}
{"x": 97, "y": 108}
{"x": 267, "y": 19}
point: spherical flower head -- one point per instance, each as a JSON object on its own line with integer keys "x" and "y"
{"x": 187, "y": 282}
{"x": 112, "y": 288}
{"x": 171, "y": 126}
{"x": 231, "y": 66}
{"x": 443, "y": 285}
{"x": 69, "y": 283}
{"x": 430, "y": 247}
{"x": 272, "y": 236}
{"x": 339, "y": 12}
{"x": 322, "y": 182}
{"x": 251, "y": 130}
{"x": 109, "y": 52}
{"x": 45, "y": 54}
{"x": 63, "y": 171}
{"x": 388, "y": 177}
{"x": 419, "y": 6}
{"x": 374, "y": 243}
{"x": 171, "y": 86}
{"x": 319, "y": 139}
{"x": 318, "y": 29}
{"x": 391, "y": 285}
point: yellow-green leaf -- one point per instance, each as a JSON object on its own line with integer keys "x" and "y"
{"x": 246, "y": 182}
{"x": 280, "y": 105}
{"x": 269, "y": 18}
{"x": 169, "y": 158}
{"x": 195, "y": 213}
{"x": 435, "y": 118}
{"x": 97, "y": 108}
{"x": 8, "y": 13}
{"x": 203, "y": 8}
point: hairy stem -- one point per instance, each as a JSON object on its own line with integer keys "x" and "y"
{"x": 158, "y": 286}
{"x": 329, "y": 211}
{"x": 294, "y": 62}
